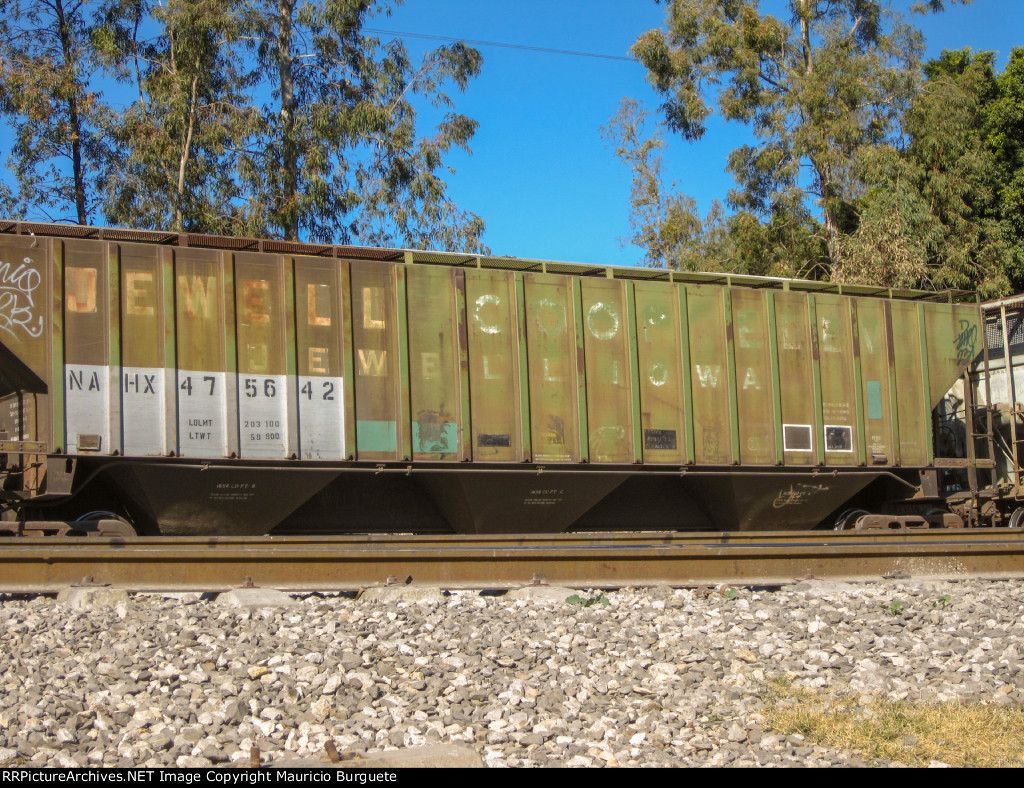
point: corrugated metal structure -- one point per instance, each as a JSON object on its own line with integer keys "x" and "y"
{"x": 997, "y": 428}
{"x": 193, "y": 384}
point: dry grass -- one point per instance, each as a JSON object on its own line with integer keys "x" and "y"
{"x": 958, "y": 734}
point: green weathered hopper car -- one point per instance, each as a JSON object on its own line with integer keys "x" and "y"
{"x": 187, "y": 384}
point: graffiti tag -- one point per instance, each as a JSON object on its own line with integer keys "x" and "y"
{"x": 17, "y": 298}
{"x": 433, "y": 438}
{"x": 795, "y": 497}
{"x": 965, "y": 341}
{"x": 711, "y": 445}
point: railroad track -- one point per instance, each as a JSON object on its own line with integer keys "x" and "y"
{"x": 575, "y": 560}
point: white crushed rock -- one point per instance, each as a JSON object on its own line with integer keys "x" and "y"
{"x": 658, "y": 677}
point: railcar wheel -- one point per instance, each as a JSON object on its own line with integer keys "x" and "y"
{"x": 103, "y": 524}
{"x": 1017, "y": 518}
{"x": 846, "y": 521}
{"x": 936, "y": 517}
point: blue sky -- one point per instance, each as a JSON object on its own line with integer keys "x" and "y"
{"x": 540, "y": 175}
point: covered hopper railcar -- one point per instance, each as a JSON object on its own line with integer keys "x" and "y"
{"x": 185, "y": 384}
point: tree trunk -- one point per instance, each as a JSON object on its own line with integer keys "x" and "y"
{"x": 826, "y": 182}
{"x": 830, "y": 220}
{"x": 64, "y": 29}
{"x": 837, "y": 272}
{"x": 288, "y": 208}
{"x": 186, "y": 152}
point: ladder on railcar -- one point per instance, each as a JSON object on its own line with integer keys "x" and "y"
{"x": 1002, "y": 410}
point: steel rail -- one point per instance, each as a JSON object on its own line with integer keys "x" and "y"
{"x": 575, "y": 560}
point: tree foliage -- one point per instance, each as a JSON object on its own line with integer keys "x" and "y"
{"x": 666, "y": 224}
{"x": 1004, "y": 133}
{"x": 175, "y": 162}
{"x": 664, "y": 221}
{"x": 275, "y": 117}
{"x": 867, "y": 165}
{"x": 788, "y": 244}
{"x": 46, "y": 65}
{"x": 930, "y": 217}
{"x": 814, "y": 89}
{"x": 336, "y": 154}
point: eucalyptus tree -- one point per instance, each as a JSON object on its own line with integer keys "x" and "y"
{"x": 46, "y": 65}
{"x": 929, "y": 213}
{"x": 816, "y": 86}
{"x": 664, "y": 221}
{"x": 957, "y": 173}
{"x": 177, "y": 141}
{"x": 338, "y": 155}
{"x": 1004, "y": 132}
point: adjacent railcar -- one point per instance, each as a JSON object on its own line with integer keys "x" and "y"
{"x": 188, "y": 384}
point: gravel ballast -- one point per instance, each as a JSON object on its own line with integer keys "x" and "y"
{"x": 656, "y": 677}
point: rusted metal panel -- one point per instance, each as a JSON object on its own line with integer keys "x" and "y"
{"x": 687, "y": 370}
{"x": 493, "y": 337}
{"x": 144, "y": 375}
{"x": 25, "y": 285}
{"x": 349, "y": 355}
{"x": 230, "y": 354}
{"x": 608, "y": 371}
{"x": 170, "y": 351}
{"x": 659, "y": 344}
{"x": 55, "y": 337}
{"x": 526, "y": 431}
{"x": 18, "y": 427}
{"x": 582, "y": 412}
{"x": 88, "y": 374}
{"x": 435, "y": 394}
{"x": 800, "y": 438}
{"x": 755, "y": 399}
{"x": 709, "y": 382}
{"x": 819, "y": 410}
{"x": 858, "y": 387}
{"x": 730, "y": 366}
{"x": 290, "y": 352}
{"x": 637, "y": 438}
{"x": 877, "y": 409}
{"x": 375, "y": 348}
{"x": 953, "y": 334}
{"x": 402, "y": 332}
{"x": 465, "y": 421}
{"x": 910, "y": 395}
{"x": 926, "y": 382}
{"x": 26, "y": 296}
{"x": 320, "y": 359}
{"x": 22, "y": 447}
{"x": 264, "y": 391}
{"x": 551, "y": 349}
{"x": 114, "y": 345}
{"x": 894, "y": 410}
{"x": 771, "y": 340}
{"x": 201, "y": 380}
{"x": 838, "y": 391}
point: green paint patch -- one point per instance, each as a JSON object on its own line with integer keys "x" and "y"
{"x": 874, "y": 399}
{"x": 376, "y": 436}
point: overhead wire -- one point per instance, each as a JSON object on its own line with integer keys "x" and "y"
{"x": 498, "y": 44}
